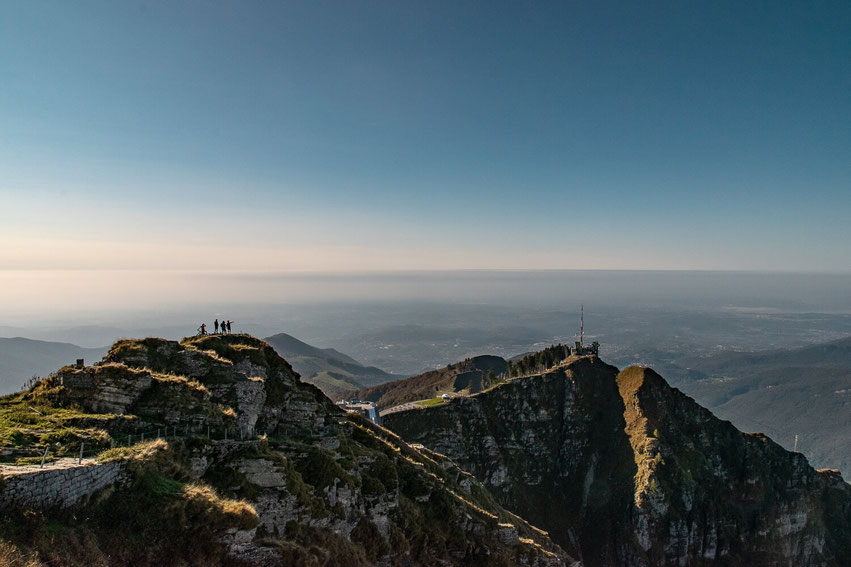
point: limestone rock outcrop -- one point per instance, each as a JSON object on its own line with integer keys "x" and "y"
{"x": 110, "y": 388}
{"x": 287, "y": 479}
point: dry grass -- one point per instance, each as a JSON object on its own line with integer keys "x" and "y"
{"x": 202, "y": 501}
{"x": 11, "y": 556}
{"x": 190, "y": 383}
{"x": 140, "y": 451}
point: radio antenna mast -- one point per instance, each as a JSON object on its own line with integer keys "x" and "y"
{"x": 582, "y": 324}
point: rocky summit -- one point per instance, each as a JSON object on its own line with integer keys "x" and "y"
{"x": 212, "y": 451}
{"x": 622, "y": 469}
{"x": 242, "y": 464}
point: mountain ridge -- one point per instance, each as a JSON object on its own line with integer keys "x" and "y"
{"x": 470, "y": 375}
{"x": 634, "y": 472}
{"x": 260, "y": 469}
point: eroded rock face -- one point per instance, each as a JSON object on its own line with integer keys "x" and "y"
{"x": 250, "y": 399}
{"x": 378, "y": 498}
{"x": 550, "y": 448}
{"x": 323, "y": 484}
{"x": 255, "y": 390}
{"x": 635, "y": 473}
{"x": 111, "y": 388}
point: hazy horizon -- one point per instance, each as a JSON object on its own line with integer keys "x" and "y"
{"x": 32, "y": 296}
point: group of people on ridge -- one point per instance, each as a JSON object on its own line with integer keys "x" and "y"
{"x": 225, "y": 327}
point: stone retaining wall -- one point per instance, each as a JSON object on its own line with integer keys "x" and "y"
{"x": 56, "y": 487}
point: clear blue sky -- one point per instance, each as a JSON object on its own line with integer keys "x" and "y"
{"x": 400, "y": 135}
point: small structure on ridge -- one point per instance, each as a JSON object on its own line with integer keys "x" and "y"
{"x": 579, "y": 348}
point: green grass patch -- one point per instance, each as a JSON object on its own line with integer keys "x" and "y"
{"x": 27, "y": 422}
{"x": 431, "y": 403}
{"x": 333, "y": 379}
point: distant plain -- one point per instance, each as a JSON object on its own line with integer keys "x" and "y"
{"x": 679, "y": 323}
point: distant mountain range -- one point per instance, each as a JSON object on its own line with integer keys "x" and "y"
{"x": 21, "y": 359}
{"x": 782, "y": 393}
{"x": 332, "y": 371}
{"x": 469, "y": 376}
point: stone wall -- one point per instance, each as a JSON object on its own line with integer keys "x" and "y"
{"x": 58, "y": 486}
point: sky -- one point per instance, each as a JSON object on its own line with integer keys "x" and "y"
{"x": 380, "y": 136}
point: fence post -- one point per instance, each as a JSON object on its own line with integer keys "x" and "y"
{"x": 158, "y": 432}
{"x": 44, "y": 457}
{"x": 80, "y": 462}
{"x": 129, "y": 439}
{"x": 208, "y": 431}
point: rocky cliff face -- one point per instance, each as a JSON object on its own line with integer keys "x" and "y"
{"x": 297, "y": 482}
{"x": 705, "y": 490}
{"x": 625, "y": 470}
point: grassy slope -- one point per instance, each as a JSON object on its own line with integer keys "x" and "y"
{"x": 434, "y": 382}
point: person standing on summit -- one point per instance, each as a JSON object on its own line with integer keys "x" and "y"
{"x": 216, "y": 326}
{"x": 228, "y": 324}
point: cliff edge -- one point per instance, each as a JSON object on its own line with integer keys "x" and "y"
{"x": 626, "y": 470}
